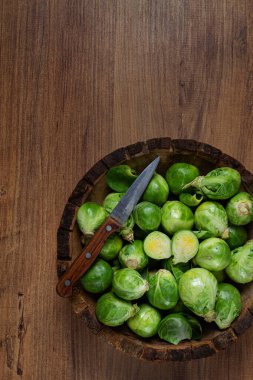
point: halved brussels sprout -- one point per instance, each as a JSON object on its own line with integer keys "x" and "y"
{"x": 174, "y": 328}
{"x": 179, "y": 174}
{"x": 237, "y": 236}
{"x": 212, "y": 217}
{"x": 240, "y": 269}
{"x": 228, "y": 305}
{"x": 176, "y": 216}
{"x": 133, "y": 256}
{"x": 163, "y": 292}
{"x": 191, "y": 200}
{"x": 89, "y": 217}
{"x": 112, "y": 311}
{"x": 120, "y": 178}
{"x": 128, "y": 284}
{"x": 145, "y": 322}
{"x": 176, "y": 269}
{"x": 157, "y": 245}
{"x": 147, "y": 216}
{"x": 220, "y": 183}
{"x": 157, "y": 190}
{"x": 98, "y": 278}
{"x": 240, "y": 209}
{"x": 197, "y": 290}
{"x": 110, "y": 202}
{"x": 111, "y": 248}
{"x": 214, "y": 254}
{"x": 185, "y": 245}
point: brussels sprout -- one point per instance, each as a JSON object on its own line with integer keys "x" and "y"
{"x": 179, "y": 174}
{"x": 191, "y": 200}
{"x": 197, "y": 290}
{"x": 90, "y": 216}
{"x": 128, "y": 284}
{"x": 133, "y": 256}
{"x": 240, "y": 209}
{"x": 213, "y": 254}
{"x": 112, "y": 311}
{"x": 145, "y": 322}
{"x": 219, "y": 275}
{"x": 176, "y": 269}
{"x": 220, "y": 183}
{"x": 195, "y": 325}
{"x": 157, "y": 245}
{"x": 228, "y": 305}
{"x": 174, "y": 328}
{"x": 184, "y": 246}
{"x": 240, "y": 269}
{"x": 237, "y": 236}
{"x": 120, "y": 178}
{"x": 202, "y": 234}
{"x": 110, "y": 202}
{"x": 212, "y": 217}
{"x": 157, "y": 190}
{"x": 111, "y": 247}
{"x": 163, "y": 292}
{"x": 98, "y": 278}
{"x": 176, "y": 216}
{"x": 147, "y": 216}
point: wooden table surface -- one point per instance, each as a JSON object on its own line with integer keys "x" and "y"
{"x": 79, "y": 79}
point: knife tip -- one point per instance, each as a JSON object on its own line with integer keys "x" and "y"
{"x": 156, "y": 161}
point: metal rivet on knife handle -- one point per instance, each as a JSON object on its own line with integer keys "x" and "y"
{"x": 88, "y": 255}
{"x": 108, "y": 228}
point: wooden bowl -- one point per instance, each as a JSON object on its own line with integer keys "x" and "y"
{"x": 93, "y": 187}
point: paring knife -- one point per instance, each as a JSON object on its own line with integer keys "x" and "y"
{"x": 114, "y": 222}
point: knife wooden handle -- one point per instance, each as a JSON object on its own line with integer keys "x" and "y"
{"x": 82, "y": 263}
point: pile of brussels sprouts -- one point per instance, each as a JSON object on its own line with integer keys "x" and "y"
{"x": 178, "y": 258}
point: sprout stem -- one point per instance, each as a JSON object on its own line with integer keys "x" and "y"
{"x": 210, "y": 316}
{"x": 127, "y": 234}
{"x": 134, "y": 310}
{"x": 225, "y": 234}
{"x": 195, "y": 183}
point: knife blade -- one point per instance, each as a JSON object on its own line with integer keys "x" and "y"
{"x": 124, "y": 208}
{"x": 116, "y": 219}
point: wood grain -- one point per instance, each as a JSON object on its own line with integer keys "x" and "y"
{"x": 78, "y": 80}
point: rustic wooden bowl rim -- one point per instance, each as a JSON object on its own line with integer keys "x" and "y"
{"x": 82, "y": 304}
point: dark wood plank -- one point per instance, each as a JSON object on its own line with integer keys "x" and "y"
{"x": 78, "y": 80}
